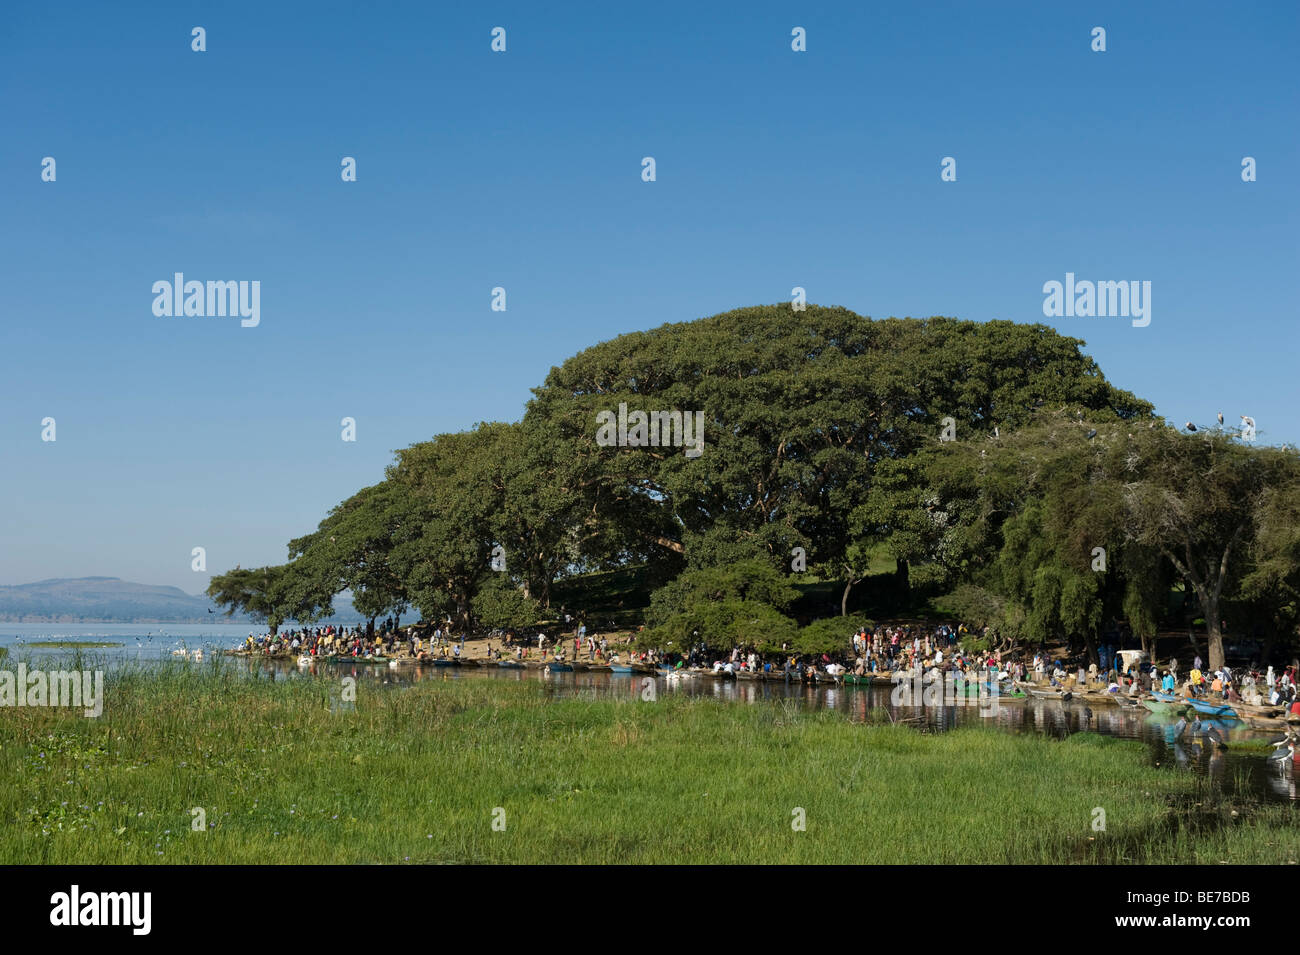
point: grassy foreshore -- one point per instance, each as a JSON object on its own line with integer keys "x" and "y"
{"x": 284, "y": 773}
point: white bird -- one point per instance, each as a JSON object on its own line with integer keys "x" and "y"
{"x": 1220, "y": 417}
{"x": 1283, "y": 740}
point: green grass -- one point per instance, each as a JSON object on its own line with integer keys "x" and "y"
{"x": 415, "y": 775}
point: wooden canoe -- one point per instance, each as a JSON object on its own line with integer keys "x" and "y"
{"x": 1218, "y": 710}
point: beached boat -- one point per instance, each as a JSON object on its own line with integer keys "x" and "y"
{"x": 1164, "y": 706}
{"x": 559, "y": 667}
{"x": 1002, "y": 693}
{"x": 619, "y": 668}
{"x": 1222, "y": 725}
{"x": 1052, "y": 695}
{"x": 1219, "y": 710}
{"x": 511, "y": 664}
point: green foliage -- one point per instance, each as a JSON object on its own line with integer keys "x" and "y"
{"x": 740, "y": 604}
{"x": 750, "y": 581}
{"x": 257, "y": 592}
{"x": 800, "y": 411}
{"x": 831, "y": 635}
{"x": 501, "y": 604}
{"x": 976, "y": 606}
{"x": 821, "y": 431}
{"x": 722, "y": 624}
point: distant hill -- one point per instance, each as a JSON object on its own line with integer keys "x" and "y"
{"x": 113, "y": 600}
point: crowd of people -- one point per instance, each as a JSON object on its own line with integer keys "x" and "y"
{"x": 883, "y": 650}
{"x": 322, "y": 641}
{"x": 1243, "y": 686}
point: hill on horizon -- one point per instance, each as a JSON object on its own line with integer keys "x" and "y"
{"x": 113, "y": 600}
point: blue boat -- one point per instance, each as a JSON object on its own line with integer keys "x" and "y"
{"x": 1211, "y": 709}
{"x": 559, "y": 668}
{"x": 1165, "y": 697}
{"x": 619, "y": 668}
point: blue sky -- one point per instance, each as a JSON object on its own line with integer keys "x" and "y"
{"x": 522, "y": 170}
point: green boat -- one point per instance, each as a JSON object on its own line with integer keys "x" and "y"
{"x": 1163, "y": 707}
{"x": 852, "y": 679}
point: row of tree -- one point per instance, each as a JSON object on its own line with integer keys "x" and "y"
{"x": 989, "y": 459}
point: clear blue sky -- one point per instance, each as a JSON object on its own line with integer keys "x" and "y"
{"x": 522, "y": 169}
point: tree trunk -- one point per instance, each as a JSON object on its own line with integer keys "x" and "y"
{"x": 1190, "y": 609}
{"x": 1090, "y": 645}
{"x": 844, "y": 599}
{"x": 1266, "y": 646}
{"x": 1212, "y": 627}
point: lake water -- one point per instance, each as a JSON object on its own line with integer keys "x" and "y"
{"x": 1234, "y": 769}
{"x": 140, "y": 641}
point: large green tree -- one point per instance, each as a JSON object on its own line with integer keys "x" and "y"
{"x": 800, "y": 409}
{"x": 259, "y": 592}
{"x": 350, "y": 550}
{"x": 1210, "y": 505}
